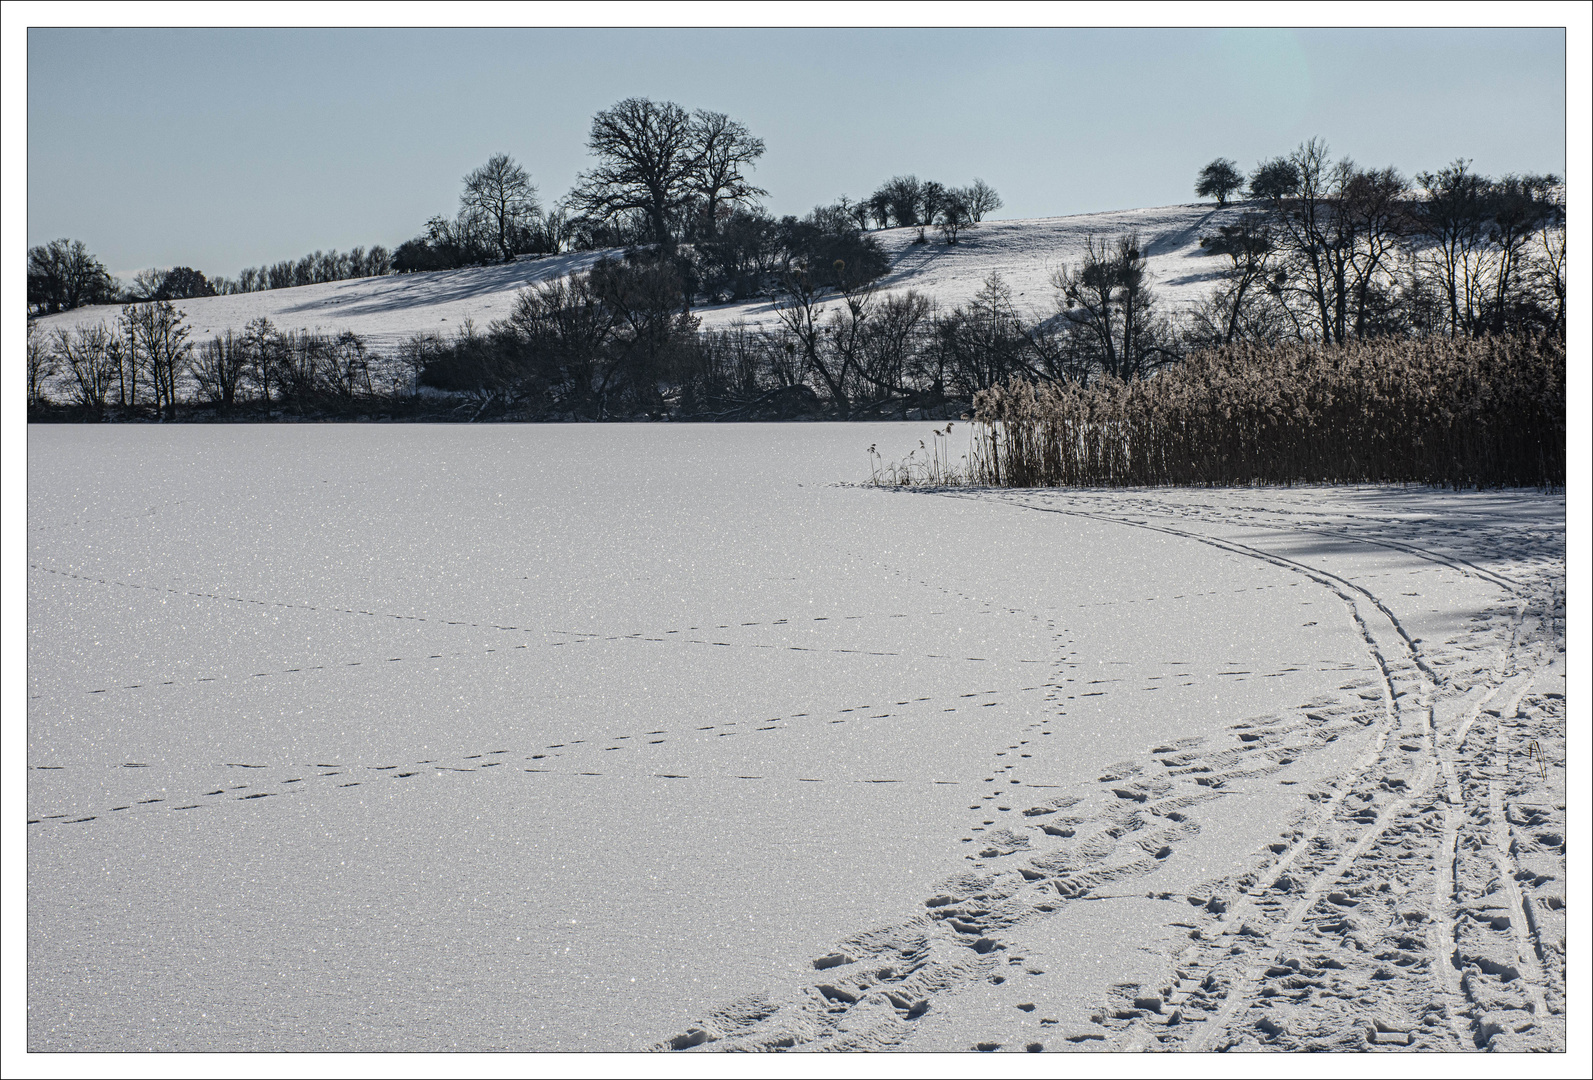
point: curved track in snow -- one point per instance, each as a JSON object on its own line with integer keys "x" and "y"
{"x": 1419, "y": 904}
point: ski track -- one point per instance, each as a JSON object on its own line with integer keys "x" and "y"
{"x": 1419, "y": 905}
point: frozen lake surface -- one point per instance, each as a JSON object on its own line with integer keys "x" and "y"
{"x": 598, "y": 737}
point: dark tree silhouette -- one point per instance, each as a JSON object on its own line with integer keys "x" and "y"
{"x": 62, "y": 275}
{"x": 955, "y": 214}
{"x": 902, "y": 195}
{"x": 725, "y": 151}
{"x": 649, "y": 157}
{"x": 1221, "y": 178}
{"x": 502, "y": 195}
{"x": 1107, "y": 299}
{"x": 160, "y": 347}
{"x": 182, "y": 283}
{"x": 1275, "y": 179}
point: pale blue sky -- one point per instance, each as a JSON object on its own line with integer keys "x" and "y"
{"x": 225, "y": 148}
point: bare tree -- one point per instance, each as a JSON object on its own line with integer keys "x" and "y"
{"x": 219, "y": 368}
{"x": 182, "y": 283}
{"x": 725, "y": 150}
{"x": 1453, "y": 213}
{"x": 502, "y": 194}
{"x": 1549, "y": 269}
{"x": 846, "y": 334}
{"x": 1520, "y": 206}
{"x": 954, "y": 214}
{"x": 890, "y": 341}
{"x": 649, "y": 157}
{"x": 1107, "y": 299}
{"x": 62, "y": 275}
{"x": 93, "y": 355}
{"x": 160, "y": 346}
{"x": 42, "y": 365}
{"x": 344, "y": 366}
{"x": 414, "y": 354}
{"x": 1374, "y": 201}
{"x": 982, "y": 199}
{"x": 1232, "y": 310}
{"x": 931, "y": 197}
{"x": 901, "y": 195}
{"x": 146, "y": 284}
{"x": 557, "y": 228}
{"x": 984, "y": 339}
{"x": 799, "y": 312}
{"x": 856, "y": 211}
{"x": 378, "y": 261}
{"x": 261, "y": 345}
{"x": 1275, "y": 179}
{"x": 1318, "y": 239}
{"x": 879, "y": 209}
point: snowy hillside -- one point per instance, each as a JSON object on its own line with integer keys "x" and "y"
{"x": 1027, "y": 252}
{"x": 389, "y": 310}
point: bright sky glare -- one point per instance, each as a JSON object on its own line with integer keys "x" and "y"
{"x": 220, "y": 149}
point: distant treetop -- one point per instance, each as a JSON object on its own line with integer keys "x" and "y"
{"x": 1221, "y": 178}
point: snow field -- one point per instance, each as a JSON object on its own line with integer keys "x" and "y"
{"x": 387, "y": 311}
{"x": 442, "y": 737}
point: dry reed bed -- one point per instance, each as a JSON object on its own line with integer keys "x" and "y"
{"x": 1470, "y": 412}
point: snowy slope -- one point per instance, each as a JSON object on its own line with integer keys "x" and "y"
{"x": 388, "y": 310}
{"x": 1025, "y": 253}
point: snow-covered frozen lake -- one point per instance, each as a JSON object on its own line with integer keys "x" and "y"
{"x": 598, "y": 737}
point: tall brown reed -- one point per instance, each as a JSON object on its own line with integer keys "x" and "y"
{"x": 1470, "y": 412}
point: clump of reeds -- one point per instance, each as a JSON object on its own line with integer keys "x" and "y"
{"x": 931, "y": 465}
{"x": 1468, "y": 412}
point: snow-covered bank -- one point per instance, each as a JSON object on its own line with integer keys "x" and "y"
{"x": 598, "y": 737}
{"x": 389, "y": 310}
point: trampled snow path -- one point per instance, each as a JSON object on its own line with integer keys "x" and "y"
{"x": 1420, "y": 903}
{"x": 601, "y": 737}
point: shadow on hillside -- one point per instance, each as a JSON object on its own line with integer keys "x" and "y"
{"x": 398, "y": 292}
{"x": 917, "y": 259}
{"x": 1168, "y": 242}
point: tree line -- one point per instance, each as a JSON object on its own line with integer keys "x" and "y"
{"x": 663, "y": 177}
{"x": 63, "y": 275}
{"x": 145, "y": 364}
{"x": 1321, "y": 252}
{"x": 1328, "y": 251}
{"x": 620, "y": 340}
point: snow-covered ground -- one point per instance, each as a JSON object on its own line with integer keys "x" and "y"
{"x": 389, "y": 310}
{"x": 614, "y": 737}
